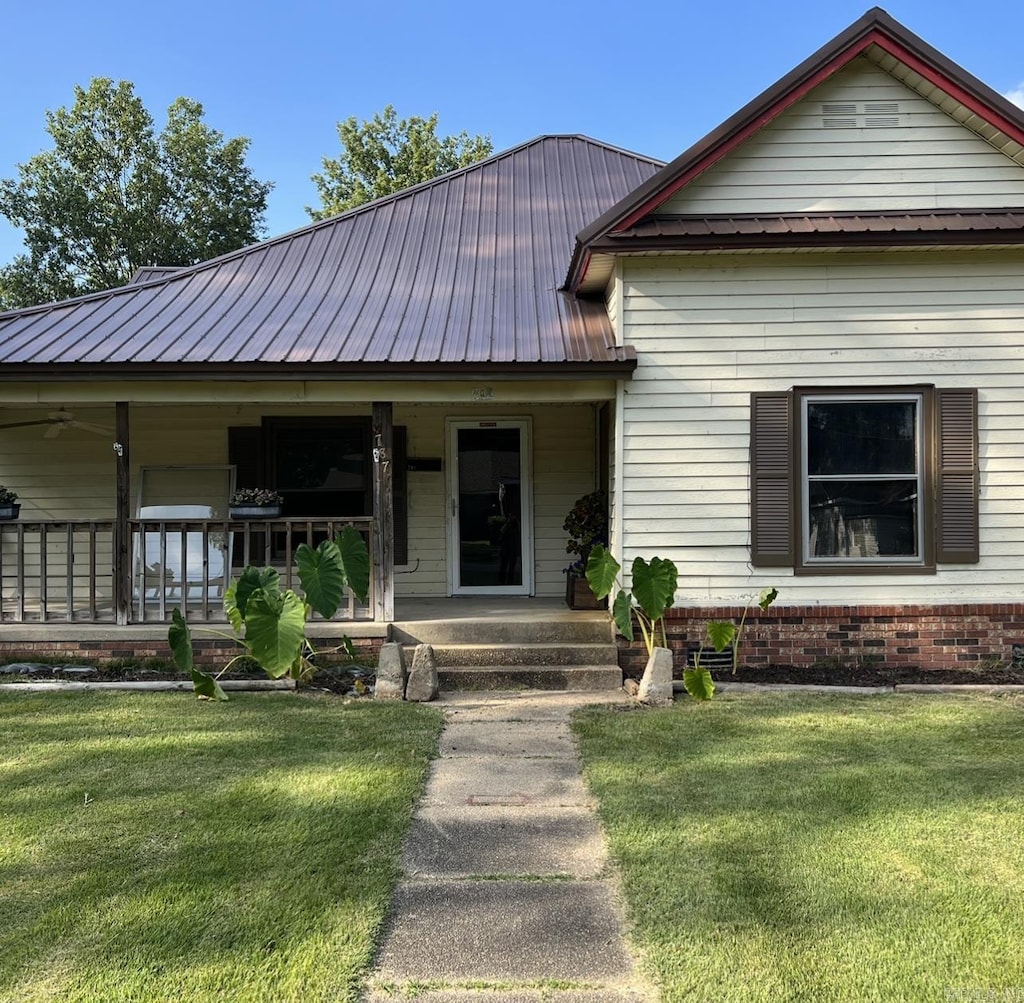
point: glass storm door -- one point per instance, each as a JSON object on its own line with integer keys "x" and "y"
{"x": 490, "y": 508}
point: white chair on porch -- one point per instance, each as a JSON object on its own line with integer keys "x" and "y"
{"x": 169, "y": 570}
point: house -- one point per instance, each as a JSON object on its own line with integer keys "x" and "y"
{"x": 794, "y": 356}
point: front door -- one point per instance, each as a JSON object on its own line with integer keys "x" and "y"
{"x": 490, "y": 505}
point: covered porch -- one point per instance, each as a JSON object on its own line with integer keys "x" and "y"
{"x": 125, "y": 518}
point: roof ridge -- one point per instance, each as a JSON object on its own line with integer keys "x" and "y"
{"x": 183, "y": 272}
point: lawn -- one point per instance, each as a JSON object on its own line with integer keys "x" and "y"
{"x": 819, "y": 847}
{"x": 155, "y": 847}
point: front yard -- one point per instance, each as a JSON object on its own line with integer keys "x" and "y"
{"x": 819, "y": 847}
{"x": 157, "y": 848}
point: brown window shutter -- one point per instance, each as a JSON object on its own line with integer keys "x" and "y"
{"x": 400, "y": 493}
{"x": 772, "y": 541}
{"x": 957, "y": 478}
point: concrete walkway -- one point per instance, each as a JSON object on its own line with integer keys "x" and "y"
{"x": 507, "y": 894}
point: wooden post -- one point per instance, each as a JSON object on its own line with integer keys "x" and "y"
{"x": 382, "y": 443}
{"x": 122, "y": 530}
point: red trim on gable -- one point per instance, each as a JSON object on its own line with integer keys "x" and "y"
{"x": 730, "y": 144}
{"x": 873, "y": 37}
{"x": 954, "y": 90}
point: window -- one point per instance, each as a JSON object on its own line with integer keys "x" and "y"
{"x": 864, "y": 479}
{"x": 861, "y": 478}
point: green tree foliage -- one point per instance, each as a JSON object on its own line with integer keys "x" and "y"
{"x": 112, "y": 195}
{"x": 386, "y": 154}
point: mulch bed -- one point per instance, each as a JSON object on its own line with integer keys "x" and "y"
{"x": 869, "y": 675}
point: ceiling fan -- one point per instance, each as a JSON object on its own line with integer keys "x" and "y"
{"x": 58, "y": 421}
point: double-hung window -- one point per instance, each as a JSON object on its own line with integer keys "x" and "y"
{"x": 861, "y": 478}
{"x": 864, "y": 479}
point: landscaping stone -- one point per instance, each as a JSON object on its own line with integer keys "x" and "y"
{"x": 390, "y": 673}
{"x": 656, "y": 684}
{"x": 76, "y": 671}
{"x": 632, "y": 687}
{"x": 26, "y": 669}
{"x": 422, "y": 685}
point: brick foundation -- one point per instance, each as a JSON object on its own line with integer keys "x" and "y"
{"x": 953, "y": 636}
{"x": 209, "y": 652}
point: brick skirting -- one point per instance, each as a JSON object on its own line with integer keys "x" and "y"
{"x": 952, "y": 636}
{"x": 209, "y": 652}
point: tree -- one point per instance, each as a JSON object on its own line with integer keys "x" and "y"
{"x": 385, "y": 155}
{"x": 111, "y": 195}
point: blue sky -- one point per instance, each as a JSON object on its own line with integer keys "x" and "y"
{"x": 647, "y": 75}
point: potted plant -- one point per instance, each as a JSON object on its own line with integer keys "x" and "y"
{"x": 9, "y": 508}
{"x": 255, "y": 503}
{"x": 587, "y": 526}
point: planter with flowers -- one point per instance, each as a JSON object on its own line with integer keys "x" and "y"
{"x": 587, "y": 525}
{"x": 9, "y": 508}
{"x": 255, "y": 503}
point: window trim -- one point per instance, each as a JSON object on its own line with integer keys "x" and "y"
{"x": 922, "y": 465}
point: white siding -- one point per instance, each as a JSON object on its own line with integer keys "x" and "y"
{"x": 709, "y": 332}
{"x": 796, "y": 165}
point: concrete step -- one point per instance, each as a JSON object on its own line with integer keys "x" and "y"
{"x": 534, "y": 677}
{"x": 501, "y": 655}
{"x": 580, "y": 628}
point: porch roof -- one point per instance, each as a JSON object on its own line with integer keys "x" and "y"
{"x": 463, "y": 270}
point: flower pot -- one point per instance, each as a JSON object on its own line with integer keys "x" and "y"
{"x": 254, "y": 511}
{"x": 579, "y": 595}
{"x": 9, "y": 512}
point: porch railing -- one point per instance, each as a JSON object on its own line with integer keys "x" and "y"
{"x": 62, "y": 571}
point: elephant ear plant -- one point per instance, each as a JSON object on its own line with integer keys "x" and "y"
{"x": 724, "y": 634}
{"x": 654, "y": 591}
{"x": 270, "y": 622}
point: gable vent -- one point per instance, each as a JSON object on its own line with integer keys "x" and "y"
{"x": 854, "y": 115}
{"x": 882, "y": 115}
{"x": 839, "y": 115}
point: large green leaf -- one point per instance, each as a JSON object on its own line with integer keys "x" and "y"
{"x": 698, "y": 683}
{"x": 602, "y": 570}
{"x": 721, "y": 633}
{"x": 654, "y": 585}
{"x": 248, "y": 583}
{"x": 204, "y": 685}
{"x": 355, "y": 561}
{"x": 179, "y": 637}
{"x": 275, "y": 630}
{"x": 322, "y": 576}
{"x": 622, "y": 613}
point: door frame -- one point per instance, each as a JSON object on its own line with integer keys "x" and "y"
{"x": 525, "y": 426}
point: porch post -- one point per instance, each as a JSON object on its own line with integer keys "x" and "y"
{"x": 383, "y": 513}
{"x": 122, "y": 531}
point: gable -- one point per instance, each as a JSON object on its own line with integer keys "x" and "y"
{"x": 860, "y": 141}
{"x": 765, "y": 178}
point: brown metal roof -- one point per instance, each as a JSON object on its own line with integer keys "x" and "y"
{"x": 878, "y": 36}
{"x": 464, "y": 269}
{"x": 925, "y": 227}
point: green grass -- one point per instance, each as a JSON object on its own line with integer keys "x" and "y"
{"x": 159, "y": 848}
{"x": 819, "y": 847}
